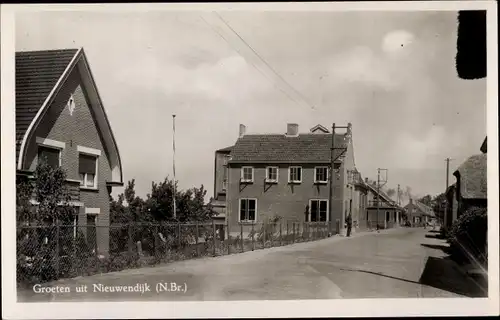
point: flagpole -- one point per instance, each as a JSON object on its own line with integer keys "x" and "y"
{"x": 173, "y": 163}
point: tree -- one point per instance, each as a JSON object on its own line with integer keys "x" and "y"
{"x": 439, "y": 206}
{"x": 49, "y": 190}
{"x": 391, "y": 192}
{"x": 427, "y": 200}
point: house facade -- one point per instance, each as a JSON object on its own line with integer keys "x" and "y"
{"x": 287, "y": 175}
{"x": 381, "y": 211}
{"x": 60, "y": 118}
{"x": 419, "y": 213}
{"x": 470, "y": 187}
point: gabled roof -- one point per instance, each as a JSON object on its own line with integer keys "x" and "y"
{"x": 39, "y": 77}
{"x": 382, "y": 194}
{"x": 37, "y": 73}
{"x": 423, "y": 208}
{"x": 319, "y": 128}
{"x": 304, "y": 148}
{"x": 473, "y": 177}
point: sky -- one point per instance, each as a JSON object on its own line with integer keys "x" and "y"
{"x": 391, "y": 74}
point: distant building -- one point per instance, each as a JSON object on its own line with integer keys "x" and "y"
{"x": 60, "y": 117}
{"x": 419, "y": 213}
{"x": 287, "y": 175}
{"x": 381, "y": 210}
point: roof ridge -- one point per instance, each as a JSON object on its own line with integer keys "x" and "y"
{"x": 48, "y": 50}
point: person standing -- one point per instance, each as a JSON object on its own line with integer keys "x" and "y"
{"x": 348, "y": 221}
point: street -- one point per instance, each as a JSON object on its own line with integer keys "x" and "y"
{"x": 395, "y": 263}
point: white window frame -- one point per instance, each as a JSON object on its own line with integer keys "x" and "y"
{"x": 290, "y": 173}
{"x": 243, "y": 175}
{"x": 316, "y": 171}
{"x": 277, "y": 174}
{"x": 51, "y": 144}
{"x": 309, "y": 214}
{"x": 94, "y": 153}
{"x": 239, "y": 210}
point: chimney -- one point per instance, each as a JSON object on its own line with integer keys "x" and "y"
{"x": 349, "y": 130}
{"x": 243, "y": 130}
{"x": 292, "y": 129}
{"x": 411, "y": 201}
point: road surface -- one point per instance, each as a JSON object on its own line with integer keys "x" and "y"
{"x": 397, "y": 263}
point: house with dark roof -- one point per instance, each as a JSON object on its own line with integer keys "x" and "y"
{"x": 470, "y": 188}
{"x": 419, "y": 213}
{"x": 381, "y": 210}
{"x": 266, "y": 175}
{"x": 60, "y": 118}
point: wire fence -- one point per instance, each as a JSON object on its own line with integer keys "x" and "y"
{"x": 47, "y": 253}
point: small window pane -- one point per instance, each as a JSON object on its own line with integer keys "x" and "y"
{"x": 251, "y": 215}
{"x": 90, "y": 180}
{"x": 82, "y": 179}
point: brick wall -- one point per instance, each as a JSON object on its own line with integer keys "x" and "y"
{"x": 284, "y": 199}
{"x": 76, "y": 129}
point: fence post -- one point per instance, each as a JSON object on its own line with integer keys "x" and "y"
{"x": 281, "y": 236}
{"x": 196, "y": 239}
{"x": 130, "y": 241}
{"x": 264, "y": 234}
{"x": 241, "y": 238}
{"x": 337, "y": 226}
{"x": 293, "y": 232}
{"x": 178, "y": 235}
{"x": 253, "y": 236}
{"x": 228, "y": 239}
{"x": 57, "y": 249}
{"x": 214, "y": 240}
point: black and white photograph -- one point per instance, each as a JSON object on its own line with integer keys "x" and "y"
{"x": 249, "y": 157}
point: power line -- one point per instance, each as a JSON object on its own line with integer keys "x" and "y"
{"x": 253, "y": 65}
{"x": 265, "y": 62}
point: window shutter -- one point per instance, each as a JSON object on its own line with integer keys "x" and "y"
{"x": 87, "y": 164}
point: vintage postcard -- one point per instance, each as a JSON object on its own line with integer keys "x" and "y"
{"x": 249, "y": 160}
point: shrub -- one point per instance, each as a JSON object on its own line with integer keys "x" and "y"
{"x": 468, "y": 236}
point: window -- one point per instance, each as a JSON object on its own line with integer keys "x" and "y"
{"x": 319, "y": 210}
{"x": 248, "y": 209}
{"x": 224, "y": 185}
{"x": 295, "y": 174}
{"x": 321, "y": 174}
{"x": 87, "y": 169}
{"x": 247, "y": 174}
{"x": 51, "y": 156}
{"x": 272, "y": 174}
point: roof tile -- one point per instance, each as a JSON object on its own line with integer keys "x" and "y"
{"x": 37, "y": 72}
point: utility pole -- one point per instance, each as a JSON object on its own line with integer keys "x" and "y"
{"x": 447, "y": 172}
{"x": 173, "y": 164}
{"x": 378, "y": 193}
{"x": 332, "y": 167}
{"x": 399, "y": 196}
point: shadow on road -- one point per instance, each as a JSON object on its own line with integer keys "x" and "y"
{"x": 381, "y": 274}
{"x": 434, "y": 231}
{"x": 443, "y": 273}
{"x": 435, "y": 236}
{"x": 444, "y": 248}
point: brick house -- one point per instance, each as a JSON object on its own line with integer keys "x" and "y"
{"x": 265, "y": 175}
{"x": 470, "y": 188}
{"x": 419, "y": 213}
{"x": 381, "y": 210}
{"x": 60, "y": 117}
